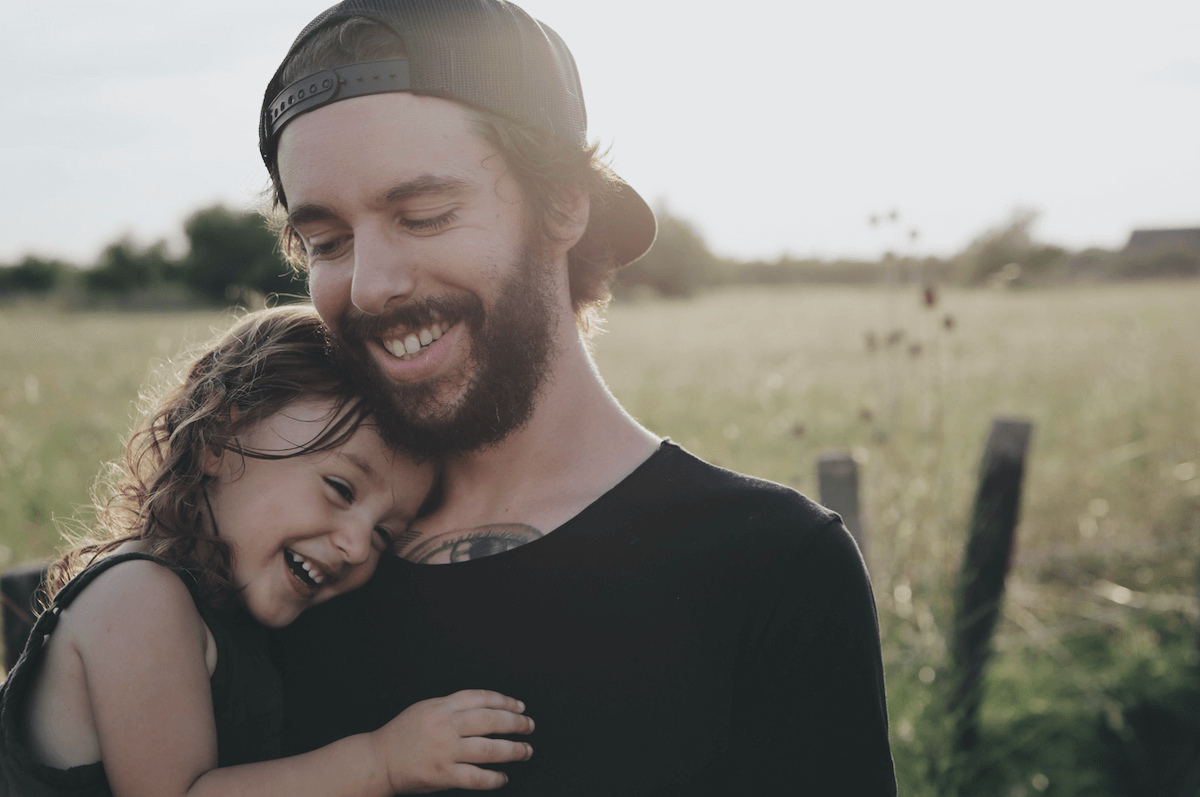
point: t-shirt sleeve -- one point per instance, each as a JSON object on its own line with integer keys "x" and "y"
{"x": 810, "y": 715}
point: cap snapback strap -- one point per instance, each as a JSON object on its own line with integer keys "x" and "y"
{"x": 332, "y": 85}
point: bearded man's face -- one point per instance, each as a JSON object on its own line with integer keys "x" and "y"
{"x": 422, "y": 263}
{"x": 487, "y": 394}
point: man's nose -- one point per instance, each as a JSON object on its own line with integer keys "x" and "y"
{"x": 383, "y": 270}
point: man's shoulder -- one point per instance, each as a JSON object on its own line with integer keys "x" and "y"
{"x": 676, "y": 483}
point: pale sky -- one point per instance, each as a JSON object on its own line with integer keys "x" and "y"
{"x": 775, "y": 127}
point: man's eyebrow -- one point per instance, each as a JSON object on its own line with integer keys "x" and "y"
{"x": 307, "y": 214}
{"x": 424, "y": 185}
{"x": 419, "y": 186}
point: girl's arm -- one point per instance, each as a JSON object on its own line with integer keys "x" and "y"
{"x": 143, "y": 647}
{"x": 432, "y": 745}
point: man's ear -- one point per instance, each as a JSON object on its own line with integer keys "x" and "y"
{"x": 568, "y": 226}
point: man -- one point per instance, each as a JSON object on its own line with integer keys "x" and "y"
{"x": 673, "y": 628}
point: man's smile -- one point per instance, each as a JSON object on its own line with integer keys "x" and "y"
{"x": 407, "y": 344}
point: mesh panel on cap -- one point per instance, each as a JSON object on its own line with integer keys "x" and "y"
{"x": 492, "y": 55}
{"x": 484, "y": 53}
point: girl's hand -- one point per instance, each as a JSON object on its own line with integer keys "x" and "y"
{"x": 435, "y": 744}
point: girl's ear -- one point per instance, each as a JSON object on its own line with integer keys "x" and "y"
{"x": 211, "y": 459}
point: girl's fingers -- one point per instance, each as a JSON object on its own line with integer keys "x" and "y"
{"x": 484, "y": 698}
{"x": 466, "y": 776}
{"x": 487, "y": 721}
{"x": 478, "y": 750}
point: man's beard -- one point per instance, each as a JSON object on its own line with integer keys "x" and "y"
{"x": 495, "y": 389}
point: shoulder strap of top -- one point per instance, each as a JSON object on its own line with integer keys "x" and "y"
{"x": 76, "y": 585}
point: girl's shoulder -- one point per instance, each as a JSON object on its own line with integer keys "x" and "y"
{"x": 126, "y": 629}
{"x": 134, "y": 601}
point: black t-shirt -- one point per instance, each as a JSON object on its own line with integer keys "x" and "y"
{"x": 691, "y": 632}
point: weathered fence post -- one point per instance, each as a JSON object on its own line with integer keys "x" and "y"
{"x": 837, "y": 483}
{"x": 18, "y": 592}
{"x": 980, "y": 587}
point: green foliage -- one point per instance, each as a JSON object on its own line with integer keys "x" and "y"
{"x": 124, "y": 267}
{"x": 989, "y": 254}
{"x": 1158, "y": 264}
{"x": 811, "y": 271}
{"x": 678, "y": 264}
{"x": 233, "y": 258}
{"x": 231, "y": 253}
{"x": 34, "y": 275}
{"x": 1150, "y": 736}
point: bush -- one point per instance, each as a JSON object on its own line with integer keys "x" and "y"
{"x": 233, "y": 254}
{"x": 678, "y": 264}
{"x": 34, "y": 275}
{"x": 124, "y": 268}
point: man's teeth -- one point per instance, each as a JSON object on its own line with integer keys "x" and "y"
{"x": 413, "y": 342}
{"x": 313, "y": 572}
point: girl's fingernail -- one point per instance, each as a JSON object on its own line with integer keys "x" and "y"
{"x": 521, "y": 706}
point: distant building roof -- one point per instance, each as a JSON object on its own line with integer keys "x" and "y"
{"x": 1185, "y": 239}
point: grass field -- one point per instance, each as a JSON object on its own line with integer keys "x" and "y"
{"x": 1102, "y": 594}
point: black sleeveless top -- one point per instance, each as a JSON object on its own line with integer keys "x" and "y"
{"x": 246, "y": 694}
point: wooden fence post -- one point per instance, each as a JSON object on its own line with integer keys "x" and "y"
{"x": 980, "y": 587}
{"x": 18, "y": 592}
{"x": 837, "y": 483}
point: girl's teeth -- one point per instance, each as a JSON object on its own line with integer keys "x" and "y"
{"x": 412, "y": 345}
{"x": 426, "y": 338}
{"x": 310, "y": 569}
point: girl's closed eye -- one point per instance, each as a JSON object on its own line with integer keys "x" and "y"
{"x": 342, "y": 488}
{"x": 386, "y": 537}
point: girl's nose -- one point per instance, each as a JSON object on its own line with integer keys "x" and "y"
{"x": 353, "y": 541}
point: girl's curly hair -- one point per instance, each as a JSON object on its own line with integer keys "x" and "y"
{"x": 156, "y": 493}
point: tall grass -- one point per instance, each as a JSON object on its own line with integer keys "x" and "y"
{"x": 69, "y": 384}
{"x": 763, "y": 381}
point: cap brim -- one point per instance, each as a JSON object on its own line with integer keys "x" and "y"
{"x": 626, "y": 223}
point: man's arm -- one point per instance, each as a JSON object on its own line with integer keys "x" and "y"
{"x": 810, "y": 714}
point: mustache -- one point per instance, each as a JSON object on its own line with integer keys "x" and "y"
{"x": 355, "y": 325}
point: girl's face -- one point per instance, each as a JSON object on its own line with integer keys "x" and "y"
{"x": 312, "y": 526}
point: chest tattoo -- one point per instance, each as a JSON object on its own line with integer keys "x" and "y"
{"x": 463, "y": 544}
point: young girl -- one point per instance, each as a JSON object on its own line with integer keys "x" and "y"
{"x": 255, "y": 489}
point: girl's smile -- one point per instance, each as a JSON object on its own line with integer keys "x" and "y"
{"x": 308, "y": 525}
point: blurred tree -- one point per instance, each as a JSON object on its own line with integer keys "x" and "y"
{"x": 123, "y": 268}
{"x": 232, "y": 253}
{"x": 993, "y": 250}
{"x": 34, "y": 275}
{"x": 677, "y": 264}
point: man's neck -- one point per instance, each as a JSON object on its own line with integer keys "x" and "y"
{"x": 579, "y": 444}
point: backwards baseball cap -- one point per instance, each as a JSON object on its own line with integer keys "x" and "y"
{"x": 488, "y": 54}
